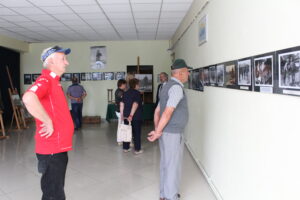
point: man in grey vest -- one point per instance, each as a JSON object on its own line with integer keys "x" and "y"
{"x": 170, "y": 119}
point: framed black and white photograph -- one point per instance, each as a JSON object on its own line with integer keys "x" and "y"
{"x": 120, "y": 75}
{"x": 230, "y": 80}
{"x": 109, "y": 75}
{"x": 196, "y": 82}
{"x": 27, "y": 79}
{"x": 98, "y": 57}
{"x": 83, "y": 76}
{"x": 245, "y": 74}
{"x": 203, "y": 30}
{"x": 77, "y": 75}
{"x": 66, "y": 77}
{"x": 263, "y": 71}
{"x": 88, "y": 76}
{"x": 34, "y": 77}
{"x": 287, "y": 72}
{"x": 212, "y": 75}
{"x": 190, "y": 84}
{"x": 145, "y": 82}
{"x": 97, "y": 76}
{"x": 220, "y": 75}
{"x": 206, "y": 76}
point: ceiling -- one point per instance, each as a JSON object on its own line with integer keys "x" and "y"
{"x": 91, "y": 20}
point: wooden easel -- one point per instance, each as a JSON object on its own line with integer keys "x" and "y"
{"x": 18, "y": 109}
{"x": 2, "y": 128}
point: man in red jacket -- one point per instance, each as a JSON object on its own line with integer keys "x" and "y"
{"x": 46, "y": 101}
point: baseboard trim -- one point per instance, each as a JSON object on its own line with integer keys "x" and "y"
{"x": 208, "y": 179}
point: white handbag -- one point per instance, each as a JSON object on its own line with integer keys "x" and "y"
{"x": 124, "y": 133}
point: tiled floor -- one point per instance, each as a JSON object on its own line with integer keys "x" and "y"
{"x": 98, "y": 169}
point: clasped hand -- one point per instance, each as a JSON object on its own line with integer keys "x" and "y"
{"x": 153, "y": 135}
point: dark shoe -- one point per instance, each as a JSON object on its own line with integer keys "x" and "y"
{"x": 178, "y": 195}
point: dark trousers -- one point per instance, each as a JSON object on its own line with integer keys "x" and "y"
{"x": 77, "y": 114}
{"x": 136, "y": 134}
{"x": 53, "y": 169}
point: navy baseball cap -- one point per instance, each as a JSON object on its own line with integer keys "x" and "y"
{"x": 55, "y": 49}
{"x": 179, "y": 63}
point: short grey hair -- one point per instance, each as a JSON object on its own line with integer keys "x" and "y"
{"x": 45, "y": 62}
{"x": 165, "y": 74}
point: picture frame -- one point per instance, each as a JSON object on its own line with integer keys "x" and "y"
{"x": 203, "y": 30}
{"x": 83, "y": 76}
{"x": 145, "y": 82}
{"x": 244, "y": 73}
{"x": 196, "y": 81}
{"x": 220, "y": 68}
{"x": 97, "y": 76}
{"x": 206, "y": 81}
{"x": 27, "y": 79}
{"x": 190, "y": 86}
{"x": 88, "y": 76}
{"x": 287, "y": 71}
{"x": 120, "y": 75}
{"x": 230, "y": 75}
{"x": 66, "y": 77}
{"x": 212, "y": 75}
{"x": 77, "y": 75}
{"x": 108, "y": 76}
{"x": 263, "y": 72}
{"x": 34, "y": 77}
{"x": 98, "y": 57}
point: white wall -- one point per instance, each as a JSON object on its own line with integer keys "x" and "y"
{"x": 119, "y": 55}
{"x": 247, "y": 143}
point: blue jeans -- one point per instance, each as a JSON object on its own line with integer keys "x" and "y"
{"x": 77, "y": 114}
{"x": 53, "y": 169}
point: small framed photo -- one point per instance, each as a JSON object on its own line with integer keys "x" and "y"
{"x": 83, "y": 76}
{"x": 120, "y": 75}
{"x": 205, "y": 76}
{"x": 287, "y": 72}
{"x": 263, "y": 72}
{"x": 108, "y": 76}
{"x": 97, "y": 76}
{"x": 220, "y": 75}
{"x": 212, "y": 75}
{"x": 203, "y": 30}
{"x": 77, "y": 75}
{"x": 66, "y": 77}
{"x": 88, "y": 76}
{"x": 190, "y": 86}
{"x": 245, "y": 73}
{"x": 230, "y": 80}
{"x": 27, "y": 79}
{"x": 34, "y": 77}
{"x": 196, "y": 82}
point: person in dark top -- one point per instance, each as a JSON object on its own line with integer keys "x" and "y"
{"x": 131, "y": 110}
{"x": 76, "y": 93}
{"x": 163, "y": 77}
{"x": 119, "y": 94}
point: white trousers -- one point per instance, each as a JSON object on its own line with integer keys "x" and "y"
{"x": 171, "y": 151}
